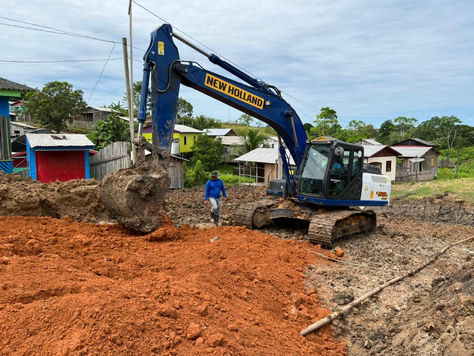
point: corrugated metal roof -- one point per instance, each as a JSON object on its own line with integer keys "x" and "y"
{"x": 412, "y": 151}
{"x": 370, "y": 150}
{"x": 6, "y": 84}
{"x": 217, "y": 132}
{"x": 419, "y": 140}
{"x": 21, "y": 124}
{"x": 58, "y": 140}
{"x": 185, "y": 129}
{"x": 369, "y": 141}
{"x": 104, "y": 109}
{"x": 231, "y": 140}
{"x": 263, "y": 155}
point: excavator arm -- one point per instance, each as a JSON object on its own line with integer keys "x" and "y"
{"x": 166, "y": 72}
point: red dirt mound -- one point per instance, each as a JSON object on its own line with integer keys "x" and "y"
{"x": 77, "y": 288}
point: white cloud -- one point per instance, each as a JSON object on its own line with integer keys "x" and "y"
{"x": 369, "y": 60}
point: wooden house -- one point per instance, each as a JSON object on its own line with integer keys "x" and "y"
{"x": 262, "y": 165}
{"x": 8, "y": 90}
{"x": 418, "y": 160}
{"x": 60, "y": 157}
{"x": 91, "y": 116}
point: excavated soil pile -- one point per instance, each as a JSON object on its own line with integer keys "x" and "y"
{"x": 77, "y": 288}
{"x": 77, "y": 199}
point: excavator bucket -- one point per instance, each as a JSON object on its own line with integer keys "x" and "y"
{"x": 135, "y": 196}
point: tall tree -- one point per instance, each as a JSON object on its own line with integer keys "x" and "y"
{"x": 385, "y": 132}
{"x": 185, "y": 109}
{"x": 358, "y": 130}
{"x": 404, "y": 127}
{"x": 442, "y": 131}
{"x": 245, "y": 119}
{"x": 55, "y": 105}
{"x": 202, "y": 122}
{"x": 137, "y": 91}
{"x": 326, "y": 123}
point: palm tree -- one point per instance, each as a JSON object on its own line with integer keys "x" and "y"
{"x": 251, "y": 140}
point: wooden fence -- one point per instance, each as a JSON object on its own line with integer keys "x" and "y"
{"x": 110, "y": 159}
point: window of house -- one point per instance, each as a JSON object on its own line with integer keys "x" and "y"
{"x": 432, "y": 162}
{"x": 388, "y": 166}
{"x": 185, "y": 140}
{"x": 420, "y": 166}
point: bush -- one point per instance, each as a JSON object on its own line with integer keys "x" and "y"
{"x": 232, "y": 179}
{"x": 195, "y": 176}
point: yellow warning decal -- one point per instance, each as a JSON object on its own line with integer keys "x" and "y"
{"x": 161, "y": 48}
{"x": 233, "y": 91}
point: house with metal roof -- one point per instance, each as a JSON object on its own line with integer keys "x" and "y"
{"x": 91, "y": 116}
{"x": 219, "y": 132}
{"x": 8, "y": 90}
{"x": 383, "y": 157}
{"x": 183, "y": 138}
{"x": 62, "y": 157}
{"x": 418, "y": 160}
{"x": 367, "y": 141}
{"x": 414, "y": 142}
{"x": 262, "y": 165}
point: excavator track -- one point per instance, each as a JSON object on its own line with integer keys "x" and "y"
{"x": 329, "y": 227}
{"x": 255, "y": 214}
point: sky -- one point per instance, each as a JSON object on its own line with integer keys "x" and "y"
{"x": 368, "y": 60}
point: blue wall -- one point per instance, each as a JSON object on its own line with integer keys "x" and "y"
{"x": 31, "y": 159}
{"x": 4, "y": 106}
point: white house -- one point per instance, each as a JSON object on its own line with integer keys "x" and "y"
{"x": 382, "y": 156}
{"x": 263, "y": 164}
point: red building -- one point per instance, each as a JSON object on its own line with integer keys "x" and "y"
{"x": 62, "y": 157}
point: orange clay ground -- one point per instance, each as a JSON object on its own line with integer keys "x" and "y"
{"x": 79, "y": 288}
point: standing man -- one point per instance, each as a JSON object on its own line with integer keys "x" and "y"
{"x": 214, "y": 186}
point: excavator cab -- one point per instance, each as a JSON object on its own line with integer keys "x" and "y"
{"x": 331, "y": 169}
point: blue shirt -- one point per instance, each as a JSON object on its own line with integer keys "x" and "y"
{"x": 213, "y": 189}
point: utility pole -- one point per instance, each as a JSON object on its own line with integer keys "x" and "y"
{"x": 130, "y": 101}
{"x": 131, "y": 47}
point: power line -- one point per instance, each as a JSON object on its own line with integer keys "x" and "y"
{"x": 228, "y": 60}
{"x": 58, "y": 60}
{"x": 100, "y": 75}
{"x": 52, "y": 30}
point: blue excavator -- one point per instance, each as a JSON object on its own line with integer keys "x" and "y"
{"x": 328, "y": 186}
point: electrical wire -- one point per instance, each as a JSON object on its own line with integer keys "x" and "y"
{"x": 309, "y": 106}
{"x": 58, "y": 60}
{"x": 52, "y": 29}
{"x": 103, "y": 68}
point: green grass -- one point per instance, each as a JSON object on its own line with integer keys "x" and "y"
{"x": 232, "y": 179}
{"x": 463, "y": 188}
